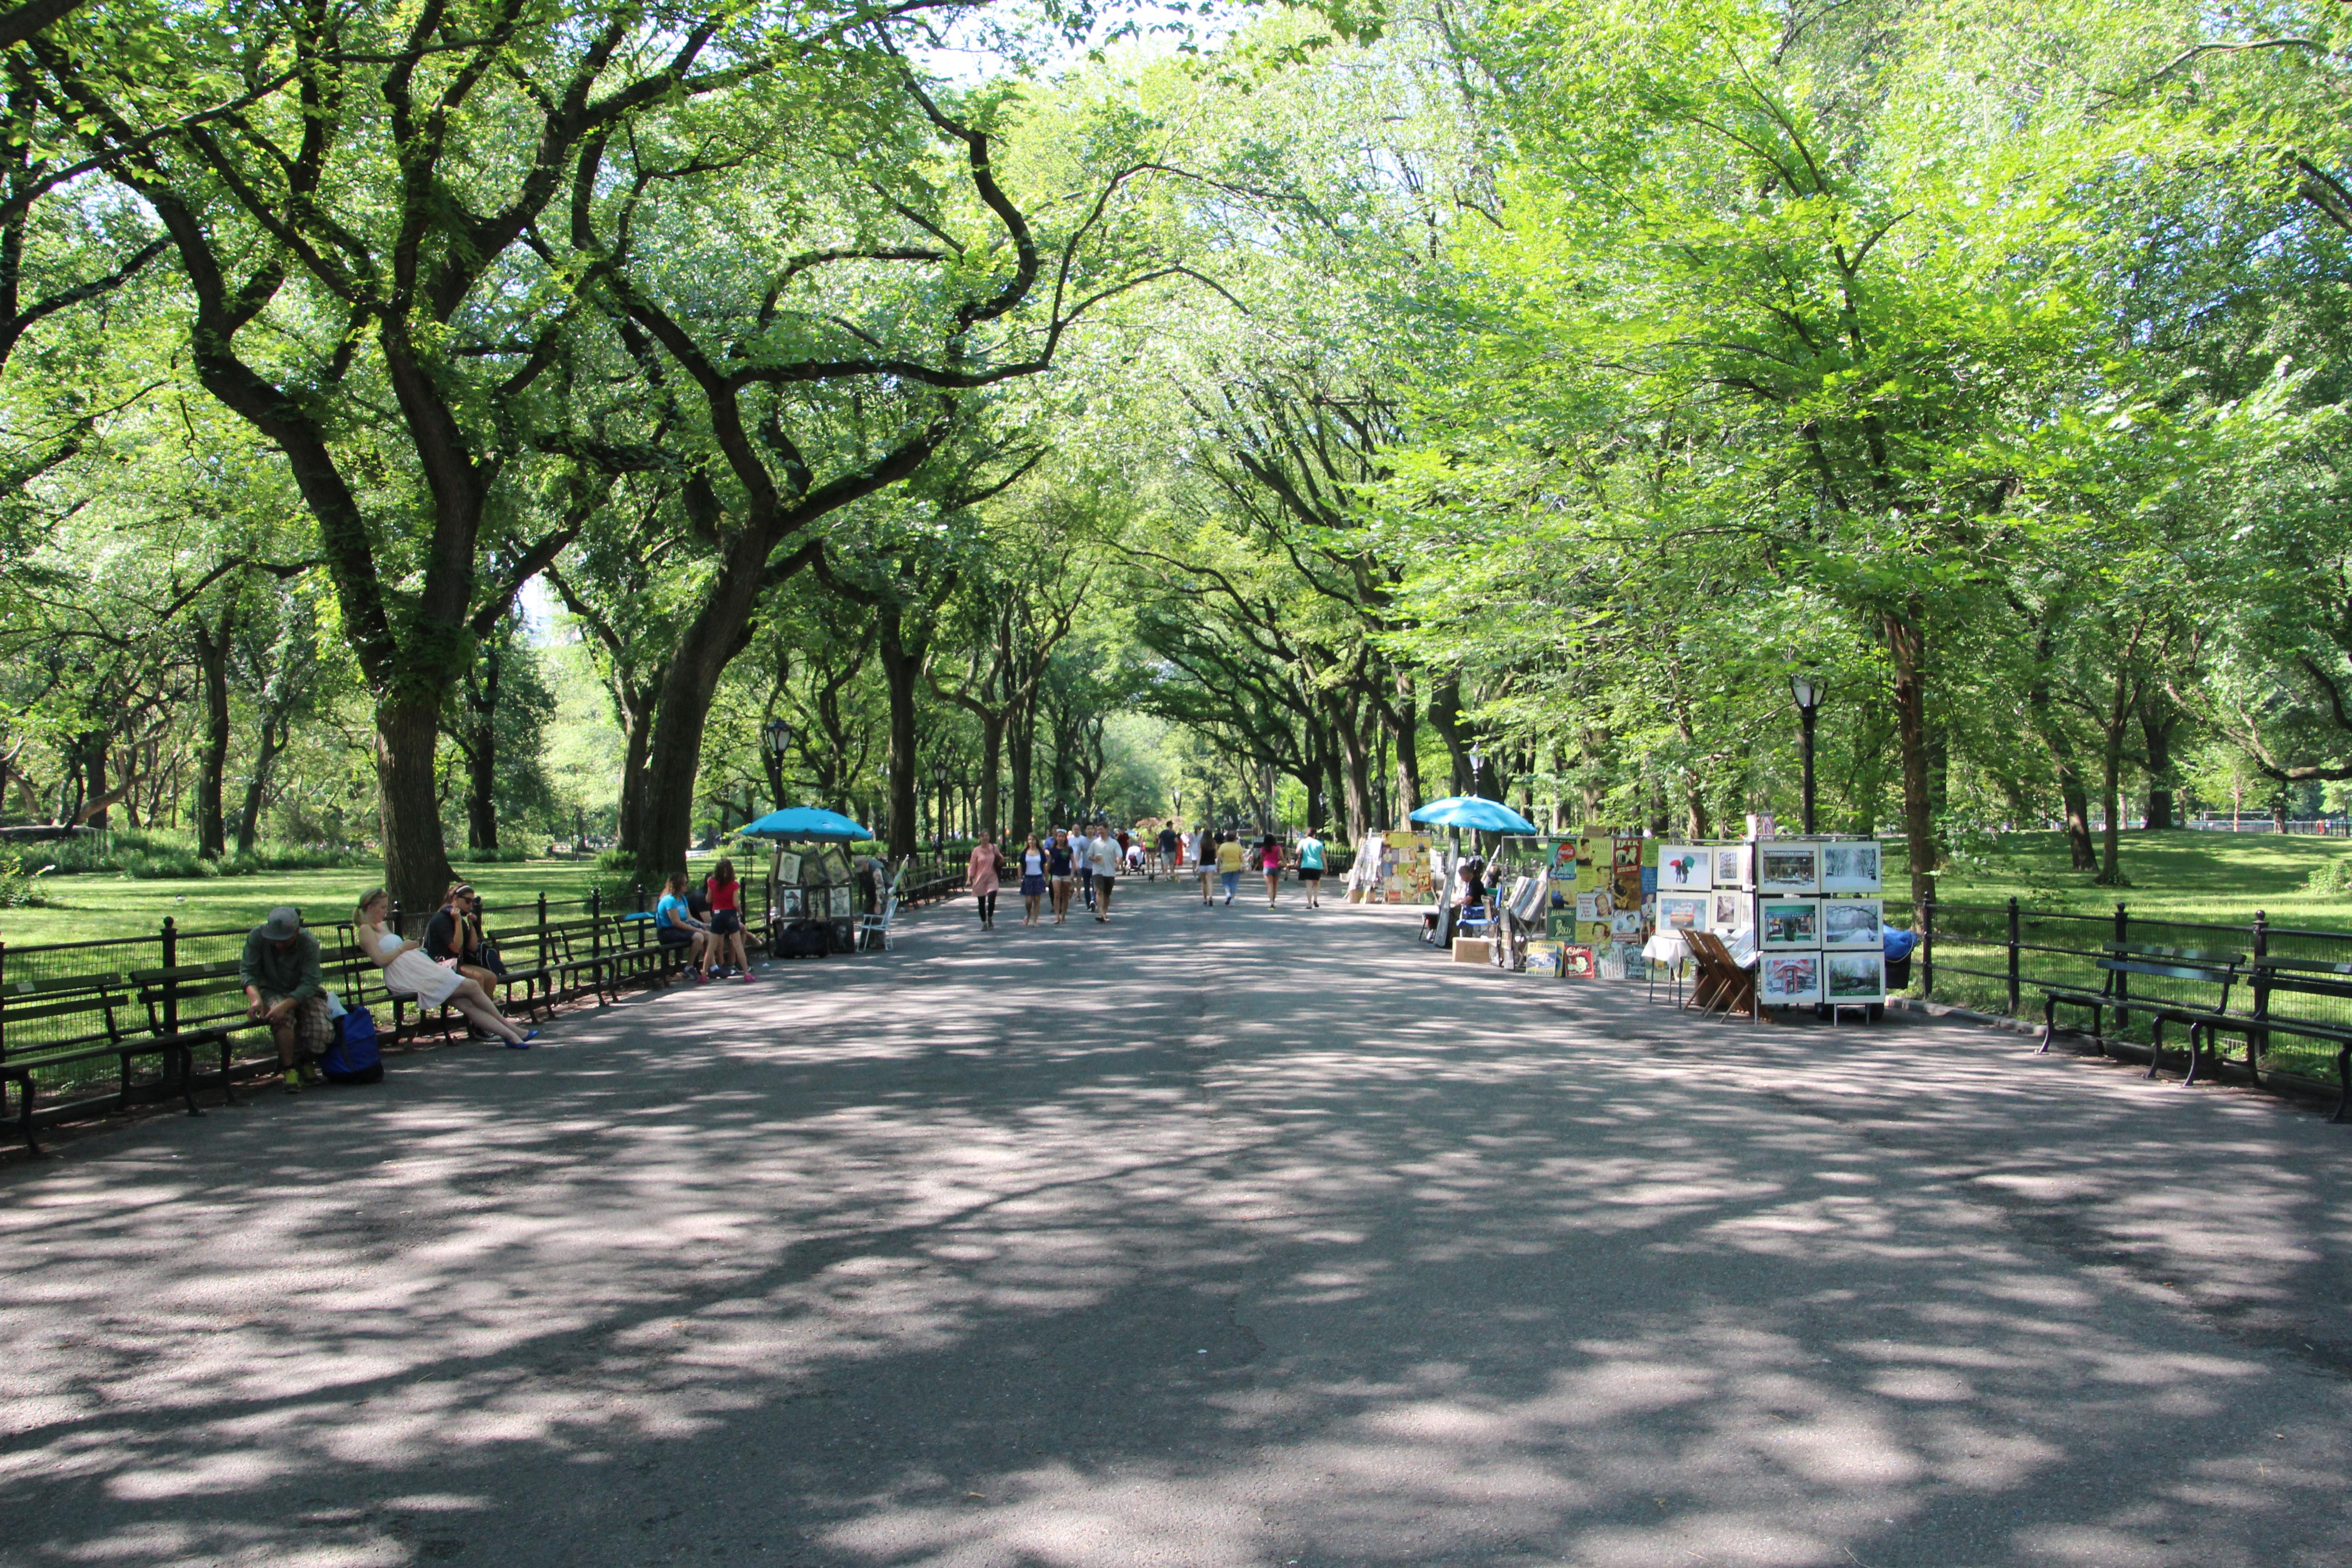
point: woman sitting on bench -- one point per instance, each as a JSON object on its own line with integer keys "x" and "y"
{"x": 407, "y": 969}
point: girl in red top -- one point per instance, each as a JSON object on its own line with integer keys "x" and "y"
{"x": 726, "y": 895}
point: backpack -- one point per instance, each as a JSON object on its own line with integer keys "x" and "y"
{"x": 352, "y": 1057}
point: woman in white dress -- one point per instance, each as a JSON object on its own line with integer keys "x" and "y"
{"x": 407, "y": 969}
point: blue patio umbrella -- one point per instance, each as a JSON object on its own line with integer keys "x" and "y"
{"x": 1472, "y": 811}
{"x": 805, "y": 825}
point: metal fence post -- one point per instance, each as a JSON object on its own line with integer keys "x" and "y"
{"x": 542, "y": 928}
{"x": 171, "y": 950}
{"x": 2259, "y": 1040}
{"x": 2013, "y": 957}
{"x": 1927, "y": 948}
{"x": 2123, "y": 982}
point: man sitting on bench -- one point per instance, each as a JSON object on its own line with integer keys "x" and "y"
{"x": 284, "y": 990}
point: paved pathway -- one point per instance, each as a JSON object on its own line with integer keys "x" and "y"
{"x": 1216, "y": 1239}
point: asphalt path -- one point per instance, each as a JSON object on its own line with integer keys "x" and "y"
{"x": 1212, "y": 1238}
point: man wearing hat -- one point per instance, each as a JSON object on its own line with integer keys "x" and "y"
{"x": 284, "y": 990}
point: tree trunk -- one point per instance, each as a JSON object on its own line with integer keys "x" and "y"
{"x": 2111, "y": 773}
{"x": 681, "y": 706}
{"x": 1403, "y": 718}
{"x": 1907, "y": 648}
{"x": 2158, "y": 719}
{"x": 991, "y": 768}
{"x": 1445, "y": 718}
{"x": 1022, "y": 736}
{"x": 900, "y": 664}
{"x": 415, "y": 861}
{"x": 211, "y": 752}
{"x": 256, "y": 787}
{"x": 482, "y": 757}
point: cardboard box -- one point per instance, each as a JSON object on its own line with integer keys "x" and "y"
{"x": 1473, "y": 950}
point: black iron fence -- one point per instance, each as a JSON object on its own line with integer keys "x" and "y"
{"x": 2004, "y": 958}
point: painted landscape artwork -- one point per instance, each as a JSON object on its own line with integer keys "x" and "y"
{"x": 1787, "y": 867}
{"x": 1790, "y": 922}
{"x": 1852, "y": 923}
{"x": 1856, "y": 976}
{"x": 1851, "y": 868}
{"x": 1787, "y": 979}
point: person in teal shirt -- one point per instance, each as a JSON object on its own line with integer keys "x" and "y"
{"x": 1310, "y": 868}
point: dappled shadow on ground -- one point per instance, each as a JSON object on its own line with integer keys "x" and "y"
{"x": 1211, "y": 1237}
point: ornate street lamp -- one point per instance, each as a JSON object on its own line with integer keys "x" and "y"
{"x": 1808, "y": 691}
{"x": 777, "y": 737}
{"x": 939, "y": 819}
{"x": 1478, "y": 760}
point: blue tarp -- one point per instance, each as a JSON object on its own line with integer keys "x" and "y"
{"x": 1472, "y": 811}
{"x": 805, "y": 825}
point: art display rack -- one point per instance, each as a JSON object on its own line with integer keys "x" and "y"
{"x": 1808, "y": 909}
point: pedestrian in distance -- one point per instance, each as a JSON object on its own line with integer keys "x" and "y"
{"x": 1229, "y": 865}
{"x": 1269, "y": 860}
{"x": 1082, "y": 851}
{"x": 1310, "y": 868}
{"x": 676, "y": 926}
{"x": 725, "y": 896}
{"x": 1061, "y": 866}
{"x": 1204, "y": 861}
{"x": 1033, "y": 878}
{"x": 1107, "y": 857}
{"x": 284, "y": 989}
{"x": 981, "y": 877}
{"x": 1172, "y": 847}
{"x": 406, "y": 971}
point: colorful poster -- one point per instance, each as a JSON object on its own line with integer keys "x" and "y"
{"x": 1543, "y": 958}
{"x": 1563, "y": 926}
{"x": 1576, "y": 962}
{"x": 1588, "y": 906}
{"x": 1682, "y": 911}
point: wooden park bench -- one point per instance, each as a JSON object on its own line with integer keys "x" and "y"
{"x": 2193, "y": 966}
{"x": 2270, "y": 979}
{"x": 78, "y": 1018}
{"x": 197, "y": 1007}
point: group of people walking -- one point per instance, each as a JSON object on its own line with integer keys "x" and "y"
{"x": 1067, "y": 868}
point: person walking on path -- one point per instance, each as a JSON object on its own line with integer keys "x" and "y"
{"x": 725, "y": 896}
{"x": 406, "y": 969}
{"x": 1204, "y": 861}
{"x": 981, "y": 877}
{"x": 1172, "y": 848}
{"x": 1107, "y": 857}
{"x": 1032, "y": 880}
{"x": 1269, "y": 860}
{"x": 284, "y": 989}
{"x": 1082, "y": 853}
{"x": 1310, "y": 868}
{"x": 1061, "y": 866}
{"x": 1229, "y": 865}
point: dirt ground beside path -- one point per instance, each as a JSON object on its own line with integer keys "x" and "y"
{"x": 1228, "y": 1239}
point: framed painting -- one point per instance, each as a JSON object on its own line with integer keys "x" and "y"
{"x": 1729, "y": 911}
{"x": 1787, "y": 867}
{"x": 1852, "y": 977}
{"x": 1851, "y": 866}
{"x": 789, "y": 904}
{"x": 1682, "y": 912}
{"x": 1852, "y": 923}
{"x": 1684, "y": 868}
{"x": 1734, "y": 866}
{"x": 1788, "y": 979}
{"x": 1788, "y": 923}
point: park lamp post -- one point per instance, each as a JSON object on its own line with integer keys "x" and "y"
{"x": 1478, "y": 760}
{"x": 939, "y": 818}
{"x": 777, "y": 737}
{"x": 1807, "y": 690}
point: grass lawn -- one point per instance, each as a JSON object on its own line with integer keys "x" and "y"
{"x": 2221, "y": 878}
{"x": 106, "y": 904}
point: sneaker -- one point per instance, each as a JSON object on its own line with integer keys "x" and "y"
{"x": 311, "y": 1073}
{"x": 293, "y": 1081}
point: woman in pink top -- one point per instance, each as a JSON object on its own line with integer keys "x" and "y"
{"x": 1268, "y": 857}
{"x": 981, "y": 877}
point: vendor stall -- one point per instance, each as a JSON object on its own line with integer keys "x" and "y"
{"x": 816, "y": 890}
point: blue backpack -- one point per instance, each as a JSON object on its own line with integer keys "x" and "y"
{"x": 352, "y": 1057}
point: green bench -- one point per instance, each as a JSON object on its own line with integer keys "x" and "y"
{"x": 2194, "y": 967}
{"x": 79, "y": 1018}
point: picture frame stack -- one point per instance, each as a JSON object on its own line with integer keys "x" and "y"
{"x": 1811, "y": 908}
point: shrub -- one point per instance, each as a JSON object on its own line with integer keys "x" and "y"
{"x": 19, "y": 887}
{"x": 2333, "y": 876}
